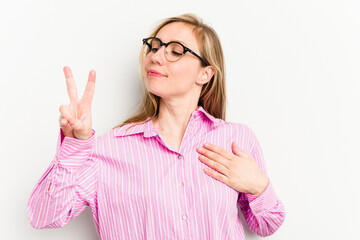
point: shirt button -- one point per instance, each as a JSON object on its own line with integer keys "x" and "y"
{"x": 182, "y": 184}
{"x": 184, "y": 217}
{"x": 179, "y": 157}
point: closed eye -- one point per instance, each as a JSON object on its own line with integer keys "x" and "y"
{"x": 154, "y": 50}
{"x": 176, "y": 53}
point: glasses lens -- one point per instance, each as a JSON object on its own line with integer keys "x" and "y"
{"x": 154, "y": 43}
{"x": 174, "y": 51}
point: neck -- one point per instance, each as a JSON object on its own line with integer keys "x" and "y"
{"x": 173, "y": 117}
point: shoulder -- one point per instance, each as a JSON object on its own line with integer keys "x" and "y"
{"x": 110, "y": 134}
{"x": 110, "y": 141}
{"x": 238, "y": 128}
{"x": 242, "y": 134}
{"x": 118, "y": 131}
{"x": 127, "y": 130}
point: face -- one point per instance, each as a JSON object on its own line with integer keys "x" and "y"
{"x": 174, "y": 79}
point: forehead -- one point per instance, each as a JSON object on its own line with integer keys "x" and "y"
{"x": 180, "y": 32}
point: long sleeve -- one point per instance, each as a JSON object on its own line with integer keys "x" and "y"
{"x": 265, "y": 213}
{"x": 68, "y": 185}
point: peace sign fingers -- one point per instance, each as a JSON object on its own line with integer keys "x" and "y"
{"x": 89, "y": 89}
{"x": 75, "y": 119}
{"x": 70, "y": 85}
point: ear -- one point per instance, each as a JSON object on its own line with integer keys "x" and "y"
{"x": 205, "y": 75}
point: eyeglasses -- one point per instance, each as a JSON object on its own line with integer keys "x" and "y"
{"x": 173, "y": 50}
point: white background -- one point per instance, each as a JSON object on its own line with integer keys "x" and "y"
{"x": 292, "y": 76}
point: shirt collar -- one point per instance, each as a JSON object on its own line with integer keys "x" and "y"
{"x": 148, "y": 130}
{"x": 201, "y": 111}
{"x": 133, "y": 128}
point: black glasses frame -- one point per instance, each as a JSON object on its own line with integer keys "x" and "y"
{"x": 186, "y": 49}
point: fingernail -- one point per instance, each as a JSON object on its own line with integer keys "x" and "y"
{"x": 66, "y": 71}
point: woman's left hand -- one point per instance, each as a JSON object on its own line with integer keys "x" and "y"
{"x": 239, "y": 170}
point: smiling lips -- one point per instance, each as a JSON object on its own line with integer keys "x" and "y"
{"x": 153, "y": 73}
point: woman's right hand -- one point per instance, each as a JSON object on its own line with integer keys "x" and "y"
{"x": 75, "y": 119}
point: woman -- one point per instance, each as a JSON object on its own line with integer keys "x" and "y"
{"x": 174, "y": 170}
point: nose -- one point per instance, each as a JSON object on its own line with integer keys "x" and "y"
{"x": 159, "y": 56}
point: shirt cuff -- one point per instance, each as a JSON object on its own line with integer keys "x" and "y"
{"x": 72, "y": 152}
{"x": 263, "y": 202}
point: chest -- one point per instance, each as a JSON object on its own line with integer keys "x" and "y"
{"x": 172, "y": 142}
{"x": 149, "y": 173}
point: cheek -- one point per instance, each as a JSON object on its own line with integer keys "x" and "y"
{"x": 187, "y": 73}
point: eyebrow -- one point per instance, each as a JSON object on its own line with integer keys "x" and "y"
{"x": 185, "y": 44}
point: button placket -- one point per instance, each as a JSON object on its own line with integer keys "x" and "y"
{"x": 190, "y": 130}
{"x": 181, "y": 184}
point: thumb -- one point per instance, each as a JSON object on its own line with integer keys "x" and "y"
{"x": 76, "y": 124}
{"x": 236, "y": 150}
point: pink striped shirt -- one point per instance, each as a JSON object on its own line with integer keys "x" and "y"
{"x": 139, "y": 188}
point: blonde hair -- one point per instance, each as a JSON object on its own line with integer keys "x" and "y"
{"x": 213, "y": 94}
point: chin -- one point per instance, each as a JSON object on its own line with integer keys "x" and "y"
{"x": 156, "y": 92}
{"x": 154, "y": 87}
